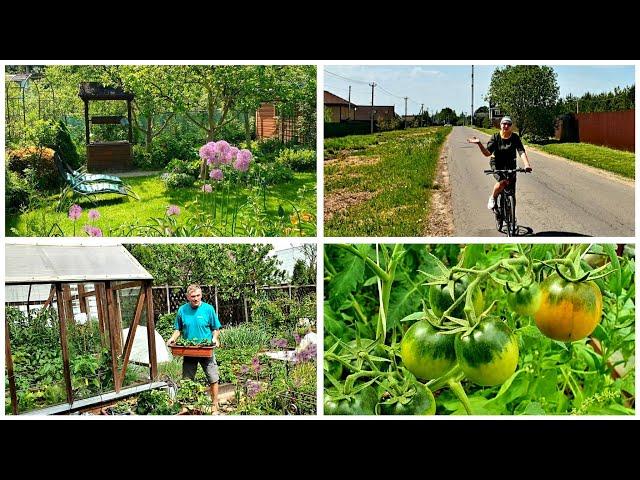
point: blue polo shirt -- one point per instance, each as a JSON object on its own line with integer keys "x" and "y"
{"x": 197, "y": 323}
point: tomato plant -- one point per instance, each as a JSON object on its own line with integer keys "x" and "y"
{"x": 393, "y": 327}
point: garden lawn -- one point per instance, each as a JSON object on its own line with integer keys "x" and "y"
{"x": 119, "y": 213}
{"x": 609, "y": 159}
{"x": 380, "y": 184}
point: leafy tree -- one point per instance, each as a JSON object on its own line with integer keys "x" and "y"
{"x": 619, "y": 99}
{"x": 480, "y": 114}
{"x": 233, "y": 268}
{"x": 446, "y": 115}
{"x": 528, "y": 93}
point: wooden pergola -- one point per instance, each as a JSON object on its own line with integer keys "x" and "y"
{"x": 97, "y": 273}
{"x": 106, "y": 156}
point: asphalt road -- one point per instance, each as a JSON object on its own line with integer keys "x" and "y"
{"x": 560, "y": 197}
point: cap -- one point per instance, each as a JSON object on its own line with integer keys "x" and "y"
{"x": 506, "y": 120}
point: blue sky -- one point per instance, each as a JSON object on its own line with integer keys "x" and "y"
{"x": 439, "y": 86}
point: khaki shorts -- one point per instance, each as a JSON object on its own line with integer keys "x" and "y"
{"x": 209, "y": 365}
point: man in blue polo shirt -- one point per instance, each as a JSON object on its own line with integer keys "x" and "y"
{"x": 197, "y": 320}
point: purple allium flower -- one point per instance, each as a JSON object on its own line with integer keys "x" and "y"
{"x": 74, "y": 212}
{"x": 241, "y": 165}
{"x": 253, "y": 388}
{"x": 173, "y": 210}
{"x": 208, "y": 152}
{"x": 206, "y": 188}
{"x": 244, "y": 369}
{"x": 94, "y": 214}
{"x": 216, "y": 174}
{"x": 255, "y": 364}
{"x": 244, "y": 155}
{"x": 92, "y": 231}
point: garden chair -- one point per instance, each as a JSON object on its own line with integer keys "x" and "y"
{"x": 71, "y": 175}
{"x": 88, "y": 184}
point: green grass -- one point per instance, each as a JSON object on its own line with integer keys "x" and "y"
{"x": 357, "y": 144}
{"x": 609, "y": 159}
{"x": 399, "y": 183}
{"x": 616, "y": 161}
{"x": 117, "y": 211}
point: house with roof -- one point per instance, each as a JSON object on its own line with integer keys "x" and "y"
{"x": 337, "y": 108}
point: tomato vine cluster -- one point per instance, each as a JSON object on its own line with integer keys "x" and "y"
{"x": 456, "y": 336}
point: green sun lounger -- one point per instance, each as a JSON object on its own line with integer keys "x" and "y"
{"x": 89, "y": 184}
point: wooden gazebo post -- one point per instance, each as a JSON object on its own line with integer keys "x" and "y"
{"x": 129, "y": 120}
{"x": 86, "y": 120}
{"x": 151, "y": 332}
{"x": 62, "y": 320}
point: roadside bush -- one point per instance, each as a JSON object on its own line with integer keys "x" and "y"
{"x": 273, "y": 173}
{"x": 298, "y": 160}
{"x": 190, "y": 167}
{"x": 40, "y": 162}
{"x": 16, "y": 192}
{"x": 178, "y": 180}
{"x": 165, "y": 324}
{"x": 63, "y": 144}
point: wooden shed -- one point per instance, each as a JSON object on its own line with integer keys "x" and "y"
{"x": 76, "y": 336}
{"x": 115, "y": 156}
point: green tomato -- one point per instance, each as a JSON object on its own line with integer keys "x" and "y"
{"x": 440, "y": 298}
{"x": 426, "y": 352}
{"x": 525, "y": 301}
{"x": 361, "y": 403}
{"x": 421, "y": 402}
{"x": 489, "y": 355}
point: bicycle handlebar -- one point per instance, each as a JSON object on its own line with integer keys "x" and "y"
{"x": 521, "y": 170}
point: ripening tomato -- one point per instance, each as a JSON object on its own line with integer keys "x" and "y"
{"x": 440, "y": 298}
{"x": 569, "y": 311}
{"x": 489, "y": 355}
{"x": 426, "y": 352}
{"x": 525, "y": 301}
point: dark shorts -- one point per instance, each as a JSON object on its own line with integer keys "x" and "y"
{"x": 501, "y": 176}
{"x": 209, "y": 365}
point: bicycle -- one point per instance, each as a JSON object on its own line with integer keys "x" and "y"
{"x": 505, "y": 209}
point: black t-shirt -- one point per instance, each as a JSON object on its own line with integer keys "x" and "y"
{"x": 504, "y": 150}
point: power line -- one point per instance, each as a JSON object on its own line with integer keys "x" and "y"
{"x": 346, "y": 78}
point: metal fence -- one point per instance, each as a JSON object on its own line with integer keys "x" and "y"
{"x": 611, "y": 129}
{"x": 167, "y": 299}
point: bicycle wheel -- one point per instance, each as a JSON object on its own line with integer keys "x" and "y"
{"x": 514, "y": 221}
{"x": 497, "y": 210}
{"x": 508, "y": 216}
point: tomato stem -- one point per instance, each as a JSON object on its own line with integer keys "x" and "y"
{"x": 454, "y": 373}
{"x": 456, "y": 388}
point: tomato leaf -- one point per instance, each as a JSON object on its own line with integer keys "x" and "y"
{"x": 346, "y": 280}
{"x": 472, "y": 255}
{"x": 413, "y": 317}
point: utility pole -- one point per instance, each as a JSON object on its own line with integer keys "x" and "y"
{"x": 471, "y": 95}
{"x": 421, "y": 113}
{"x": 349, "y": 117}
{"x": 577, "y": 107}
{"x": 405, "y": 112}
{"x": 372, "y": 85}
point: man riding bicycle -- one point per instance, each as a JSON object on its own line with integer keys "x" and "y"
{"x": 503, "y": 146}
